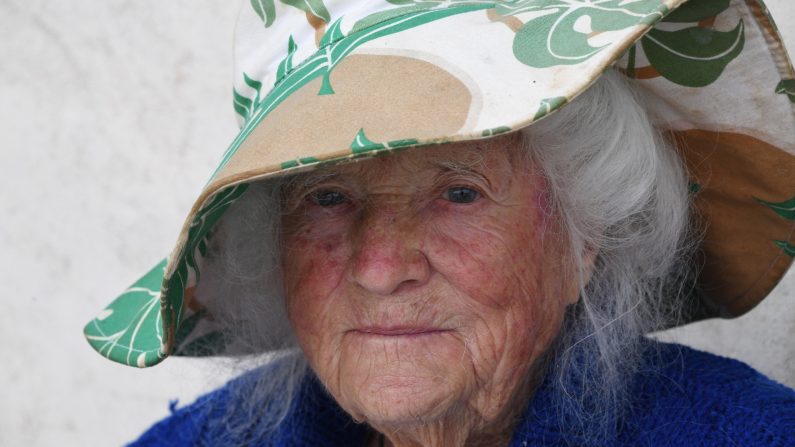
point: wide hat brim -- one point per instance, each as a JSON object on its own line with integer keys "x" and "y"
{"x": 357, "y": 81}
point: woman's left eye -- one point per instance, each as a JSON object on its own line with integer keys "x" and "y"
{"x": 461, "y": 194}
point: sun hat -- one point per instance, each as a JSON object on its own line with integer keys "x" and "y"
{"x": 326, "y": 81}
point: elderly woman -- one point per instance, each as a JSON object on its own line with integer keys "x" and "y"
{"x": 490, "y": 286}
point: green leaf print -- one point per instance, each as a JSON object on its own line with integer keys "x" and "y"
{"x": 362, "y": 144}
{"x": 788, "y": 248}
{"x": 787, "y": 87}
{"x": 495, "y": 131}
{"x": 693, "y": 57}
{"x": 242, "y": 105}
{"x": 130, "y": 329}
{"x": 409, "y": 6}
{"x": 548, "y": 105}
{"x": 208, "y": 344}
{"x": 561, "y": 36}
{"x": 785, "y": 209}
{"x": 186, "y": 326}
{"x": 266, "y": 9}
{"x": 314, "y": 7}
{"x": 696, "y": 11}
{"x": 256, "y": 85}
{"x": 205, "y": 220}
{"x": 286, "y": 65}
{"x": 299, "y": 162}
{"x": 438, "y": 3}
{"x": 566, "y": 25}
{"x": 333, "y": 34}
{"x": 381, "y": 16}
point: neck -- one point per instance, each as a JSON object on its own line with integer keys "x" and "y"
{"x": 449, "y": 433}
{"x": 464, "y": 429}
{"x": 438, "y": 437}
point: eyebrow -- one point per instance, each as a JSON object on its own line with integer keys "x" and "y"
{"x": 306, "y": 179}
{"x": 290, "y": 187}
{"x": 473, "y": 168}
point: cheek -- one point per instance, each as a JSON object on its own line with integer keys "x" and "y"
{"x": 502, "y": 265}
{"x": 313, "y": 268}
{"x": 312, "y": 259}
{"x": 492, "y": 259}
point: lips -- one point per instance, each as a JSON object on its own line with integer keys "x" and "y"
{"x": 399, "y": 331}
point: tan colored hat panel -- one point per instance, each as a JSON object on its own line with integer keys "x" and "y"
{"x": 745, "y": 263}
{"x": 310, "y": 124}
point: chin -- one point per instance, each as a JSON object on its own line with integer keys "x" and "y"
{"x": 392, "y": 401}
{"x": 395, "y": 383}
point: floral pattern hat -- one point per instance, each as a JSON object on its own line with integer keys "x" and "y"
{"x": 320, "y": 81}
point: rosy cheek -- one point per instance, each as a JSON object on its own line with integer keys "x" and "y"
{"x": 465, "y": 259}
{"x": 314, "y": 264}
{"x": 315, "y": 270}
{"x": 496, "y": 258}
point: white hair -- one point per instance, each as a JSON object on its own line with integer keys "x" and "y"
{"x": 619, "y": 191}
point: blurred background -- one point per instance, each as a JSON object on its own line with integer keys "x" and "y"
{"x": 113, "y": 115}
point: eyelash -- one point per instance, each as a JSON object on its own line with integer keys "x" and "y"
{"x": 320, "y": 195}
{"x": 341, "y": 198}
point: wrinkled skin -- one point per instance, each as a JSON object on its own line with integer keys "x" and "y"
{"x": 424, "y": 287}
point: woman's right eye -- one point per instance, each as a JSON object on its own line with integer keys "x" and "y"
{"x": 328, "y": 198}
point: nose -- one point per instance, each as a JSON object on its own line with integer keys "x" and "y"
{"x": 386, "y": 257}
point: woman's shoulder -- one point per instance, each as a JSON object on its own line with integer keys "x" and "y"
{"x": 239, "y": 414}
{"x": 194, "y": 424}
{"x": 685, "y": 394}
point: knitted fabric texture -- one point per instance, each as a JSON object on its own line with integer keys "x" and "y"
{"x": 682, "y": 397}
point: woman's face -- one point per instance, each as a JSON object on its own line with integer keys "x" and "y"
{"x": 423, "y": 286}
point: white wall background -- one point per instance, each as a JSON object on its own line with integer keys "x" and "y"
{"x": 113, "y": 114}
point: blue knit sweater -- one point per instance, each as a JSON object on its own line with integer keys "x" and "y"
{"x": 683, "y": 397}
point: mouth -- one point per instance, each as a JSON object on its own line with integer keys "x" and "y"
{"x": 399, "y": 331}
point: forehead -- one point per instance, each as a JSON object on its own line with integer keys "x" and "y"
{"x": 496, "y": 156}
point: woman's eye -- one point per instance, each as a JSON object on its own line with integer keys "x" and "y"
{"x": 461, "y": 194}
{"x": 328, "y": 198}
